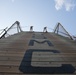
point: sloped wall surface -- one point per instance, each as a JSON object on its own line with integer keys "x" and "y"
{"x": 37, "y": 53}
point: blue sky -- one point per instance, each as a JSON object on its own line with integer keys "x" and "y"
{"x": 39, "y": 13}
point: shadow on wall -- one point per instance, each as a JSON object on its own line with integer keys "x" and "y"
{"x": 27, "y": 68}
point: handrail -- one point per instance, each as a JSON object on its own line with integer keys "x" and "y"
{"x": 4, "y": 32}
{"x": 56, "y": 30}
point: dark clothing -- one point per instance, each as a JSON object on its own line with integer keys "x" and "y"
{"x": 31, "y": 28}
{"x": 45, "y": 29}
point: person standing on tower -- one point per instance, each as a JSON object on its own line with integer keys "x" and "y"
{"x": 45, "y": 29}
{"x": 31, "y": 28}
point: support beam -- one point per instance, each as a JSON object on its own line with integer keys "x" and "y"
{"x": 57, "y": 28}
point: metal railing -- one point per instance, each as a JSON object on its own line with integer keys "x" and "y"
{"x": 7, "y": 30}
{"x": 62, "y": 32}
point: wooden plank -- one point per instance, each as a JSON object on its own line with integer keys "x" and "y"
{"x": 35, "y": 59}
{"x": 13, "y": 58}
{"x": 52, "y": 59}
{"x": 52, "y": 64}
{"x": 10, "y": 69}
{"x": 32, "y": 74}
{"x": 12, "y": 55}
{"x": 12, "y": 51}
{"x": 17, "y": 63}
{"x": 10, "y": 63}
{"x": 39, "y": 54}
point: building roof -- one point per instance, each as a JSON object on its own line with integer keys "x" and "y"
{"x": 37, "y": 53}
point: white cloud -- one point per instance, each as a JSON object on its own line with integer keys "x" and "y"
{"x": 68, "y": 4}
{"x": 59, "y": 4}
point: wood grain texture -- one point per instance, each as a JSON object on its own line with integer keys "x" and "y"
{"x": 16, "y": 52}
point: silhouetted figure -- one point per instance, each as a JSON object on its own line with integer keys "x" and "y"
{"x": 31, "y": 28}
{"x": 45, "y": 29}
